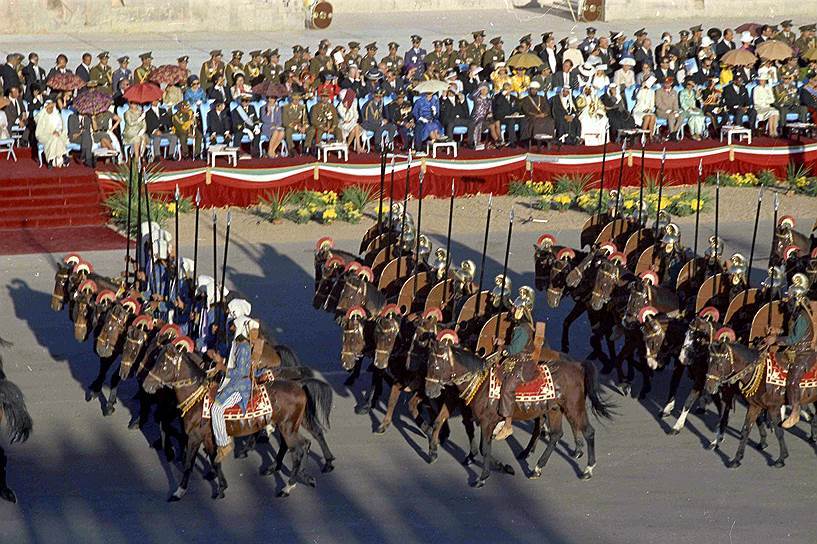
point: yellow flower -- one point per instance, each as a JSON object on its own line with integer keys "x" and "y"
{"x": 303, "y": 212}
{"x": 695, "y": 204}
{"x": 629, "y": 204}
{"x": 171, "y": 207}
{"x": 562, "y": 199}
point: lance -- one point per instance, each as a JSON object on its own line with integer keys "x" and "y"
{"x": 391, "y": 204}
{"x": 754, "y": 235}
{"x": 641, "y": 184}
{"x": 774, "y": 228}
{"x": 601, "y": 181}
{"x": 620, "y": 176}
{"x": 698, "y": 207}
{"x": 505, "y": 269}
{"x": 405, "y": 214}
{"x": 139, "y": 248}
{"x": 382, "y": 183}
{"x": 215, "y": 248}
{"x": 717, "y": 202}
{"x": 195, "y": 328}
{"x": 417, "y": 239}
{"x": 660, "y": 191}
{"x": 448, "y": 244}
{"x": 484, "y": 251}
{"x": 224, "y": 265}
{"x": 176, "y": 220}
{"x": 150, "y": 232}
{"x": 127, "y": 230}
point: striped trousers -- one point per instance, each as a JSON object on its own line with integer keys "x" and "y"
{"x": 217, "y": 416}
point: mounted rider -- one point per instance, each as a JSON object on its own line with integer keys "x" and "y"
{"x": 673, "y": 255}
{"x": 207, "y": 314}
{"x": 159, "y": 274}
{"x": 736, "y": 269}
{"x": 182, "y": 296}
{"x": 774, "y": 286}
{"x": 713, "y": 254}
{"x": 518, "y": 370}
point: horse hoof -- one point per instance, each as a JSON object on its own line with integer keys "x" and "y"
{"x": 780, "y": 463}
{"x": 586, "y": 475}
{"x": 672, "y": 431}
{"x": 578, "y": 454}
{"x": 479, "y": 484}
{"x": 218, "y": 495}
{"x": 327, "y": 468}
{"x": 310, "y": 481}
{"x": 733, "y": 463}
{"x": 468, "y": 461}
{"x": 535, "y": 475}
{"x": 8, "y": 495}
{"x": 134, "y": 424}
{"x": 432, "y": 457}
{"x": 108, "y": 410}
{"x": 508, "y": 469}
{"x": 762, "y": 446}
{"x": 812, "y": 439}
{"x": 283, "y": 494}
{"x": 269, "y": 471}
{"x": 626, "y": 389}
{"x": 381, "y": 429}
{"x": 91, "y": 395}
{"x": 361, "y": 410}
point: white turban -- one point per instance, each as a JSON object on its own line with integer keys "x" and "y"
{"x": 238, "y": 307}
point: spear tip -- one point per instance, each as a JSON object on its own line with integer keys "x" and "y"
{"x": 229, "y": 217}
{"x": 490, "y": 200}
{"x": 512, "y": 214}
{"x": 198, "y": 197}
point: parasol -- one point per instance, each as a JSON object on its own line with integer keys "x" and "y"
{"x": 270, "y": 90}
{"x": 92, "y": 102}
{"x": 143, "y": 93}
{"x": 65, "y": 82}
{"x": 168, "y": 74}
{"x": 751, "y": 27}
{"x": 810, "y": 55}
{"x": 525, "y": 60}
{"x": 172, "y": 96}
{"x": 774, "y": 50}
{"x": 739, "y": 57}
{"x": 431, "y": 86}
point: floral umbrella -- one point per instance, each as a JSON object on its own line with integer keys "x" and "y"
{"x": 774, "y": 50}
{"x": 65, "y": 82}
{"x": 143, "y": 93}
{"x": 525, "y": 60}
{"x": 431, "y": 86}
{"x": 172, "y": 96}
{"x": 92, "y": 102}
{"x": 739, "y": 57}
{"x": 270, "y": 89}
{"x": 167, "y": 74}
{"x": 751, "y": 27}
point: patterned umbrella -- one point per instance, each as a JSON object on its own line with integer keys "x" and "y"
{"x": 143, "y": 93}
{"x": 774, "y": 50}
{"x": 739, "y": 57}
{"x": 751, "y": 27}
{"x": 431, "y": 86}
{"x": 65, "y": 82}
{"x": 525, "y": 60}
{"x": 92, "y": 102}
{"x": 167, "y": 74}
{"x": 172, "y": 96}
{"x": 810, "y": 55}
{"x": 270, "y": 89}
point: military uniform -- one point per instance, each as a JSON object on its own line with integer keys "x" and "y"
{"x": 319, "y": 62}
{"x": 476, "y": 49}
{"x": 295, "y": 121}
{"x": 272, "y": 70}
{"x": 234, "y": 67}
{"x": 140, "y": 75}
{"x": 799, "y": 344}
{"x": 123, "y": 72}
{"x": 460, "y": 57}
{"x": 786, "y": 35}
{"x": 448, "y": 52}
{"x": 102, "y": 74}
{"x": 493, "y": 55}
{"x": 352, "y": 57}
{"x": 804, "y": 43}
{"x": 253, "y": 70}
{"x": 434, "y": 59}
{"x": 323, "y": 119}
{"x": 209, "y": 69}
{"x": 369, "y": 61}
{"x": 684, "y": 47}
{"x": 185, "y": 126}
{"x": 393, "y": 61}
{"x": 296, "y": 62}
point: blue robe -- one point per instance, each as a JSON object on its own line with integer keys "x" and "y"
{"x": 158, "y": 283}
{"x": 180, "y": 290}
{"x": 430, "y": 111}
{"x": 239, "y": 376}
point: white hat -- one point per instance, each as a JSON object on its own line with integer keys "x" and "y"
{"x": 706, "y": 41}
{"x": 571, "y": 40}
{"x": 586, "y": 69}
{"x": 627, "y": 61}
{"x": 244, "y": 324}
{"x": 150, "y": 226}
{"x": 160, "y": 249}
{"x": 601, "y": 67}
{"x": 187, "y": 266}
{"x": 650, "y": 81}
{"x": 535, "y": 85}
{"x": 613, "y": 86}
{"x": 499, "y": 65}
{"x": 206, "y": 284}
{"x": 165, "y": 235}
{"x": 702, "y": 54}
{"x": 238, "y": 307}
{"x": 746, "y": 37}
{"x": 763, "y": 73}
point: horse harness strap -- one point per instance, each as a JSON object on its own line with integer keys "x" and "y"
{"x": 538, "y": 340}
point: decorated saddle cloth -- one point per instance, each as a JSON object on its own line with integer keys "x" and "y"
{"x": 541, "y": 388}
{"x": 259, "y": 406}
{"x": 776, "y": 373}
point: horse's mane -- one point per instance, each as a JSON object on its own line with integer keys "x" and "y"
{"x": 375, "y": 299}
{"x": 663, "y": 297}
{"x": 744, "y": 352}
{"x": 467, "y": 358}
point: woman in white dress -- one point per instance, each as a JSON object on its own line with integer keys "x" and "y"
{"x": 592, "y": 116}
{"x": 763, "y": 99}
{"x": 349, "y": 126}
{"x": 53, "y": 134}
{"x": 644, "y": 109}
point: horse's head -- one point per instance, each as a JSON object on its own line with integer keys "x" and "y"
{"x": 173, "y": 367}
{"x": 60, "y": 293}
{"x": 82, "y": 309}
{"x": 560, "y": 267}
{"x": 135, "y": 341}
{"x": 699, "y": 335}
{"x": 331, "y": 273}
{"x": 425, "y": 331}
{"x": 721, "y": 360}
{"x": 608, "y": 275}
{"x": 115, "y": 325}
{"x": 323, "y": 252}
{"x": 654, "y": 332}
{"x": 386, "y": 329}
{"x": 638, "y": 298}
{"x": 440, "y": 371}
{"x": 358, "y": 281}
{"x": 354, "y": 340}
{"x": 542, "y": 260}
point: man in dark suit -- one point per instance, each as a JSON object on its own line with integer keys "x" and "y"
{"x": 505, "y": 104}
{"x": 726, "y": 43}
{"x": 84, "y": 69}
{"x": 8, "y": 72}
{"x": 244, "y": 121}
{"x": 453, "y": 112}
{"x": 218, "y": 122}
{"x": 79, "y": 132}
{"x": 643, "y": 55}
{"x": 17, "y": 113}
{"x": 737, "y": 102}
{"x": 33, "y": 73}
{"x": 566, "y": 77}
{"x": 159, "y": 124}
{"x": 705, "y": 72}
{"x": 60, "y": 68}
{"x": 664, "y": 71}
{"x": 398, "y": 112}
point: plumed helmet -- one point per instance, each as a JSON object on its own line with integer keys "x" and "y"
{"x": 424, "y": 245}
{"x": 715, "y": 248}
{"x": 468, "y": 269}
{"x": 502, "y": 290}
{"x": 527, "y": 295}
{"x": 671, "y": 234}
{"x": 663, "y": 220}
{"x": 776, "y": 278}
{"x": 799, "y": 287}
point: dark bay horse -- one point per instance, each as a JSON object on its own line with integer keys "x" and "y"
{"x": 13, "y": 410}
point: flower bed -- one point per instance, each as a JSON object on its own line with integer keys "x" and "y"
{"x": 324, "y": 207}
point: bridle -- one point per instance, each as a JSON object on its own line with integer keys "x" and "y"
{"x": 392, "y": 329}
{"x": 351, "y": 334}
{"x": 177, "y": 364}
{"x": 446, "y": 358}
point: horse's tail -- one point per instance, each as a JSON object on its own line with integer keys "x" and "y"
{"x": 14, "y": 409}
{"x": 318, "y": 403}
{"x": 601, "y": 407}
{"x": 288, "y": 357}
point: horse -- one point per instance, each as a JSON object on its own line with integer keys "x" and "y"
{"x": 308, "y": 402}
{"x": 359, "y": 290}
{"x": 451, "y": 365}
{"x": 13, "y": 410}
{"x": 358, "y": 342}
{"x": 733, "y": 363}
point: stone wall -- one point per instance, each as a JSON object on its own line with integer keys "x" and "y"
{"x": 621, "y": 10}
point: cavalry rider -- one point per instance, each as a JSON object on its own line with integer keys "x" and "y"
{"x": 438, "y": 265}
{"x": 736, "y": 269}
{"x": 236, "y": 389}
{"x": 158, "y": 276}
{"x": 799, "y": 345}
{"x": 775, "y": 283}
{"x": 673, "y": 255}
{"x": 521, "y": 369}
{"x": 713, "y": 255}
{"x": 463, "y": 285}
{"x": 208, "y": 314}
{"x": 181, "y": 293}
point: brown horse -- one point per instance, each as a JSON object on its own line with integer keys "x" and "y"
{"x": 450, "y": 365}
{"x": 732, "y": 363}
{"x": 178, "y": 369}
{"x": 13, "y": 410}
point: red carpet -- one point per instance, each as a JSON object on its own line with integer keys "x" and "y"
{"x": 44, "y": 240}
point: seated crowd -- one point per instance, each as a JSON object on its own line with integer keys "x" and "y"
{"x": 572, "y": 92}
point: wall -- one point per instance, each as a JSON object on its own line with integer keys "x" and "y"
{"x": 622, "y": 10}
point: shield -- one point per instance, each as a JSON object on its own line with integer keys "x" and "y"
{"x": 591, "y": 229}
{"x": 650, "y": 259}
{"x": 378, "y": 243}
{"x": 774, "y": 50}
{"x": 268, "y": 89}
{"x": 168, "y": 74}
{"x": 525, "y": 60}
{"x": 713, "y": 286}
{"x": 615, "y": 231}
{"x": 65, "y": 82}
{"x": 92, "y": 102}
{"x": 406, "y": 300}
{"x": 741, "y": 301}
{"x": 389, "y": 280}
{"x": 370, "y": 235}
{"x": 322, "y": 15}
{"x": 485, "y": 343}
{"x": 739, "y": 57}
{"x": 431, "y": 86}
{"x": 691, "y": 275}
{"x": 381, "y": 260}
{"x": 143, "y": 93}
{"x": 435, "y": 295}
{"x": 636, "y": 244}
{"x": 770, "y": 319}
{"x": 469, "y": 309}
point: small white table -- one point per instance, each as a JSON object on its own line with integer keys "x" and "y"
{"x": 103, "y": 153}
{"x": 222, "y": 150}
{"x": 450, "y": 146}
{"x": 733, "y": 130}
{"x": 334, "y": 147}
{"x": 7, "y": 147}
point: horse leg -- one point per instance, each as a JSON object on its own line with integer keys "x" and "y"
{"x": 762, "y": 423}
{"x": 625, "y": 382}
{"x": 572, "y": 316}
{"x": 534, "y": 438}
{"x": 434, "y": 436}
{"x": 5, "y": 492}
{"x": 193, "y": 445}
{"x": 300, "y": 448}
{"x": 723, "y": 409}
{"x": 774, "y": 414}
{"x": 813, "y": 437}
{"x": 486, "y": 436}
{"x": 354, "y": 375}
{"x": 394, "y": 395}
{"x": 138, "y": 420}
{"x": 110, "y": 404}
{"x": 328, "y": 457}
{"x": 279, "y": 458}
{"x": 674, "y": 382}
{"x": 751, "y": 415}
{"x": 590, "y": 436}
{"x": 690, "y": 402}
{"x": 369, "y": 397}
{"x": 96, "y": 386}
{"x": 554, "y": 435}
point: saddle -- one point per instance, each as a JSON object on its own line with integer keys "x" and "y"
{"x": 539, "y": 389}
{"x": 777, "y": 372}
{"x": 258, "y": 406}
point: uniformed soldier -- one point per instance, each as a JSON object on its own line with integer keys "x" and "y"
{"x": 234, "y": 67}
{"x": 320, "y": 60}
{"x": 253, "y": 70}
{"x": 123, "y": 72}
{"x": 786, "y": 35}
{"x": 415, "y": 57}
{"x": 210, "y": 68}
{"x": 493, "y": 55}
{"x": 697, "y": 35}
{"x": 323, "y": 119}
{"x": 434, "y": 59}
{"x": 295, "y": 120}
{"x": 393, "y": 61}
{"x": 806, "y": 40}
{"x": 293, "y": 64}
{"x": 352, "y": 57}
{"x": 684, "y": 46}
{"x": 448, "y": 52}
{"x": 525, "y": 43}
{"x": 272, "y": 68}
{"x": 477, "y": 48}
{"x": 373, "y": 119}
{"x": 369, "y": 61}
{"x": 141, "y": 74}
{"x": 102, "y": 73}
{"x": 460, "y": 57}
{"x": 589, "y": 42}
{"x": 185, "y": 126}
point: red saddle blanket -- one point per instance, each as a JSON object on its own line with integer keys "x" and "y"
{"x": 776, "y": 374}
{"x": 258, "y": 406}
{"x": 539, "y": 389}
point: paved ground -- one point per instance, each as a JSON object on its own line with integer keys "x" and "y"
{"x": 86, "y": 478}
